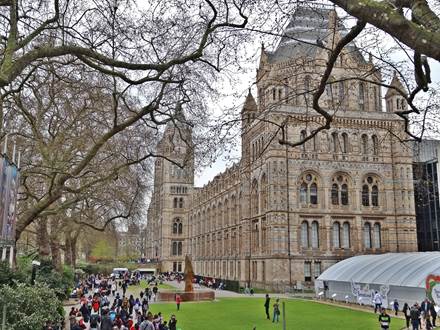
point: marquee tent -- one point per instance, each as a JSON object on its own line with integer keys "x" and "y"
{"x": 401, "y": 276}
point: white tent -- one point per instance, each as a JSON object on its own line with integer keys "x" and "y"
{"x": 400, "y": 276}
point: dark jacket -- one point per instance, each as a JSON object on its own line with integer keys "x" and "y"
{"x": 106, "y": 323}
{"x": 432, "y": 311}
{"x": 172, "y": 324}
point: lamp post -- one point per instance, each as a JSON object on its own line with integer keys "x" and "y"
{"x": 35, "y": 264}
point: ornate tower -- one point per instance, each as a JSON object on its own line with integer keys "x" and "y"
{"x": 173, "y": 185}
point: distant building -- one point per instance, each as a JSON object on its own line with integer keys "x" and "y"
{"x": 131, "y": 243}
{"x": 280, "y": 216}
{"x": 426, "y": 188}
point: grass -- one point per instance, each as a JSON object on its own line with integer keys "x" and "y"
{"x": 245, "y": 313}
{"x": 143, "y": 285}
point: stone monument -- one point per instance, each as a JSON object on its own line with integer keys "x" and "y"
{"x": 189, "y": 274}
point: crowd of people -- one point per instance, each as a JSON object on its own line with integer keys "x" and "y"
{"x": 417, "y": 316}
{"x": 102, "y": 307}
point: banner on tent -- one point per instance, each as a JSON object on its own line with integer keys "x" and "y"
{"x": 365, "y": 294}
{"x": 433, "y": 288}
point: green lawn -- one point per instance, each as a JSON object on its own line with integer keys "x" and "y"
{"x": 143, "y": 285}
{"x": 245, "y": 313}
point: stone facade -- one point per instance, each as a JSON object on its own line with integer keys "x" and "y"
{"x": 283, "y": 214}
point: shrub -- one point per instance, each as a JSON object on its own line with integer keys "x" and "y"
{"x": 30, "y": 307}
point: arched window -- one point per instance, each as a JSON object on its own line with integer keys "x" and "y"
{"x": 346, "y": 235}
{"x": 302, "y": 137}
{"x": 307, "y": 80}
{"x": 376, "y": 236}
{"x": 254, "y": 197}
{"x": 179, "y": 248}
{"x": 315, "y": 234}
{"x": 273, "y": 94}
{"x": 303, "y": 193}
{"x": 361, "y": 96}
{"x": 336, "y": 235}
{"x": 305, "y": 234}
{"x": 341, "y": 94}
{"x": 309, "y": 189}
{"x": 344, "y": 194}
{"x": 365, "y": 195}
{"x": 335, "y": 194}
{"x": 181, "y": 204}
{"x": 174, "y": 249}
{"x": 339, "y": 191}
{"x": 177, "y": 226}
{"x": 374, "y": 196}
{"x": 367, "y": 235}
{"x": 175, "y": 202}
{"x": 375, "y": 145}
{"x": 263, "y": 193}
{"x": 364, "y": 144}
{"x": 313, "y": 194}
{"x": 335, "y": 142}
{"x": 344, "y": 143}
{"x": 370, "y": 191}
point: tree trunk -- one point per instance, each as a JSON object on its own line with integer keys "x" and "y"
{"x": 56, "y": 253}
{"x": 68, "y": 250}
{"x": 73, "y": 242}
{"x": 43, "y": 239}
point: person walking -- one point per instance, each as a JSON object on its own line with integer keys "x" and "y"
{"x": 384, "y": 320}
{"x": 178, "y": 301}
{"x": 266, "y": 306}
{"x": 276, "y": 311}
{"x": 395, "y": 306}
{"x": 106, "y": 321}
{"x": 433, "y": 313}
{"x": 415, "y": 317}
{"x": 173, "y": 323}
{"x": 377, "y": 302}
{"x": 406, "y": 313}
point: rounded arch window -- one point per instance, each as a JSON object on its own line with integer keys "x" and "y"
{"x": 309, "y": 189}
{"x": 370, "y": 191}
{"x": 177, "y": 226}
{"x": 339, "y": 190}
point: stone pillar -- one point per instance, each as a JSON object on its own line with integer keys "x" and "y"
{"x": 3, "y": 253}
{"x": 11, "y": 256}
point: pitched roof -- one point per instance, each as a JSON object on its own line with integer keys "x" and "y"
{"x": 395, "y": 82}
{"x": 250, "y": 104}
{"x": 308, "y": 26}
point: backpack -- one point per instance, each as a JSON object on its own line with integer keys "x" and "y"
{"x": 94, "y": 320}
{"x": 414, "y": 314}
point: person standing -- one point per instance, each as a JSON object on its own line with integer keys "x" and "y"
{"x": 178, "y": 301}
{"x": 266, "y": 306}
{"x": 173, "y": 322}
{"x": 415, "y": 317}
{"x": 377, "y": 302}
{"x": 384, "y": 320}
{"x": 395, "y": 306}
{"x": 155, "y": 291}
{"x": 406, "y": 313}
{"x": 106, "y": 321}
{"x": 276, "y": 311}
{"x": 433, "y": 313}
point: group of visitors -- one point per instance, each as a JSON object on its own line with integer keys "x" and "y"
{"x": 420, "y": 317}
{"x": 108, "y": 310}
{"x": 276, "y": 309}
